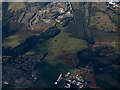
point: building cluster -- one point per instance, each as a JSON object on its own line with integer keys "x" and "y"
{"x": 71, "y": 81}
{"x": 21, "y": 67}
{"x": 52, "y": 13}
{"x": 26, "y": 62}
{"x": 114, "y": 3}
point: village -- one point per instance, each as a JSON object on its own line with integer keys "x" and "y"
{"x": 41, "y": 19}
{"x": 83, "y": 77}
{"x": 71, "y": 81}
{"x": 22, "y": 67}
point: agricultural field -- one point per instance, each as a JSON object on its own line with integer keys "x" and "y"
{"x": 43, "y": 40}
{"x": 15, "y": 6}
{"x": 16, "y": 39}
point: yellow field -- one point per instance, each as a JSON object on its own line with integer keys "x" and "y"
{"x": 16, "y": 6}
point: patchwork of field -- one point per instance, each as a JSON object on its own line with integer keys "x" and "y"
{"x": 63, "y": 43}
{"x": 89, "y": 38}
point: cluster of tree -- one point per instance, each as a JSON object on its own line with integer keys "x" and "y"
{"x": 84, "y": 58}
{"x": 50, "y": 33}
{"x": 66, "y": 21}
{"x": 56, "y": 15}
{"x": 30, "y": 42}
{"x": 11, "y": 28}
{"x": 6, "y": 14}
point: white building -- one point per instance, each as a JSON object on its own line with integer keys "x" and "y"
{"x": 6, "y": 83}
{"x": 56, "y": 83}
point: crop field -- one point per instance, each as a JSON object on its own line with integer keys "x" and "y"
{"x": 16, "y": 6}
{"x": 76, "y": 5}
{"x": 16, "y": 39}
{"x": 102, "y": 22}
{"x": 64, "y": 43}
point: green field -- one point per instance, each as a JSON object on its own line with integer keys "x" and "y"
{"x": 103, "y": 84}
{"x": 15, "y": 39}
{"x": 61, "y": 42}
{"x": 66, "y": 44}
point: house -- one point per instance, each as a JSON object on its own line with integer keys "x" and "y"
{"x": 61, "y": 10}
{"x": 6, "y": 83}
{"x": 47, "y": 20}
{"x": 61, "y": 16}
{"x": 57, "y": 20}
{"x": 60, "y": 77}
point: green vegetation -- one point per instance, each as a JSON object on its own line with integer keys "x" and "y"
{"x": 65, "y": 43}
{"x": 102, "y": 84}
{"x": 66, "y": 21}
{"x": 76, "y": 27}
{"x": 102, "y": 22}
{"x": 76, "y": 5}
{"x": 115, "y": 75}
{"x": 16, "y": 39}
{"x": 43, "y": 47}
{"x": 51, "y": 32}
{"x": 64, "y": 46}
{"x": 60, "y": 42}
{"x": 46, "y": 73}
{"x": 31, "y": 52}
